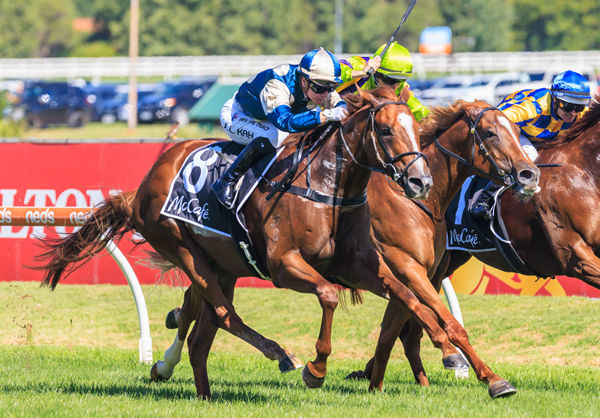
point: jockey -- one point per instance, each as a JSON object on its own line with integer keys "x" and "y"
{"x": 393, "y": 69}
{"x": 540, "y": 114}
{"x": 272, "y": 104}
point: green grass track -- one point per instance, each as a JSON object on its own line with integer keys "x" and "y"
{"x": 73, "y": 352}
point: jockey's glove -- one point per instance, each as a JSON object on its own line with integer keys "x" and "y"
{"x": 336, "y": 114}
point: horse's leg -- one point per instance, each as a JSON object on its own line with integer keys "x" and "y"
{"x": 383, "y": 283}
{"x": 452, "y": 358}
{"x": 293, "y": 272}
{"x": 415, "y": 277}
{"x": 189, "y": 311}
{"x": 410, "y": 336}
{"x": 397, "y": 322}
{"x": 230, "y": 321}
{"x": 412, "y": 332}
{"x": 394, "y": 320}
{"x": 201, "y": 339}
{"x": 583, "y": 263}
{"x": 199, "y": 343}
{"x": 392, "y": 326}
{"x": 183, "y": 251}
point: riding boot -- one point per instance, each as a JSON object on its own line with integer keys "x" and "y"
{"x": 482, "y": 206}
{"x": 224, "y": 188}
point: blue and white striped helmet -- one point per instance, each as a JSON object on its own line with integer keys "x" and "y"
{"x": 321, "y": 65}
{"x": 571, "y": 87}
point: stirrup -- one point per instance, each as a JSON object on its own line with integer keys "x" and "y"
{"x": 481, "y": 210}
{"x": 225, "y": 192}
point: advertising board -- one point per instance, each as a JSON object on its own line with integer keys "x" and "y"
{"x": 83, "y": 174}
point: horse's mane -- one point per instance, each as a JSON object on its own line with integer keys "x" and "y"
{"x": 440, "y": 119}
{"x": 294, "y": 138}
{"x": 590, "y": 118}
{"x": 354, "y": 103}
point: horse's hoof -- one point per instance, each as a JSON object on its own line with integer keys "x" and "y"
{"x": 310, "y": 380}
{"x": 501, "y": 389}
{"x": 155, "y": 375}
{"x": 289, "y": 363}
{"x": 455, "y": 362}
{"x": 171, "y": 319}
{"x": 357, "y": 375}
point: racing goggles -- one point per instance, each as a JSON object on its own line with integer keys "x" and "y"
{"x": 322, "y": 88}
{"x": 388, "y": 80}
{"x": 570, "y": 107}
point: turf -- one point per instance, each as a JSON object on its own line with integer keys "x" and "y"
{"x": 74, "y": 352}
{"x": 120, "y": 130}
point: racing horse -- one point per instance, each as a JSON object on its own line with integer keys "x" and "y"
{"x": 557, "y": 232}
{"x": 413, "y": 244}
{"x": 408, "y": 237}
{"x": 301, "y": 241}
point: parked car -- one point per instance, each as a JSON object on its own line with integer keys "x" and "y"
{"x": 445, "y": 90}
{"x": 41, "y": 103}
{"x": 99, "y": 94}
{"x": 418, "y": 85}
{"x": 543, "y": 79}
{"x": 483, "y": 87}
{"x": 117, "y": 108}
{"x": 172, "y": 101}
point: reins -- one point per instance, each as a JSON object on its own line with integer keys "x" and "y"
{"x": 508, "y": 179}
{"x": 388, "y": 167}
{"x": 477, "y": 139}
{"x": 286, "y": 182}
{"x": 389, "y": 170}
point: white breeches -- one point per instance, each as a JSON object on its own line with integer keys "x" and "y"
{"x": 242, "y": 128}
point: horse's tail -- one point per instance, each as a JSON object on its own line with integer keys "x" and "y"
{"x": 169, "y": 272}
{"x": 109, "y": 221}
{"x": 355, "y": 294}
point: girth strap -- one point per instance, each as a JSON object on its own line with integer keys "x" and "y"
{"x": 315, "y": 196}
{"x": 503, "y": 242}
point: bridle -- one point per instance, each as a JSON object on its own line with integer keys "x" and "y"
{"x": 508, "y": 179}
{"x": 389, "y": 169}
{"x": 285, "y": 184}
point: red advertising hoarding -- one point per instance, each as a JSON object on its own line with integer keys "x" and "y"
{"x": 83, "y": 174}
{"x": 79, "y": 175}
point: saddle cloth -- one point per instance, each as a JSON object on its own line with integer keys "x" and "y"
{"x": 191, "y": 199}
{"x": 464, "y": 231}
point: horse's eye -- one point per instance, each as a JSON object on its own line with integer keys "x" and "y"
{"x": 489, "y": 134}
{"x": 386, "y": 130}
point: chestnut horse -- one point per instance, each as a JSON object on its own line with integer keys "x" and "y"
{"x": 407, "y": 236}
{"x": 300, "y": 241}
{"x": 557, "y": 232}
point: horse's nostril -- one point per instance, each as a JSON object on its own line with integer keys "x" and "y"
{"x": 416, "y": 183}
{"x": 526, "y": 175}
{"x": 421, "y": 183}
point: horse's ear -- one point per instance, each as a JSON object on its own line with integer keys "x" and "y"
{"x": 367, "y": 96}
{"x": 470, "y": 108}
{"x": 404, "y": 94}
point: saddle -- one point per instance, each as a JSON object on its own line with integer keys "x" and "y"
{"x": 192, "y": 201}
{"x": 465, "y": 232}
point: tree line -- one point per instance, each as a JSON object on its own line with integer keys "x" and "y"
{"x": 44, "y": 28}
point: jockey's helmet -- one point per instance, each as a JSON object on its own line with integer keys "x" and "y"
{"x": 321, "y": 66}
{"x": 571, "y": 87}
{"x": 396, "y": 63}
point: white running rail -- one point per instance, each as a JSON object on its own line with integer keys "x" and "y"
{"x": 60, "y": 216}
